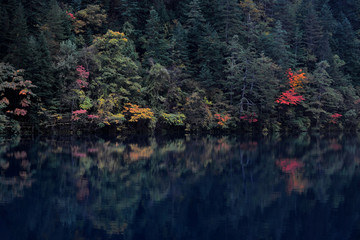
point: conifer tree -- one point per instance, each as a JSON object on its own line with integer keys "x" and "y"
{"x": 277, "y": 48}
{"x": 155, "y": 44}
{"x": 18, "y": 35}
{"x": 195, "y": 28}
{"x": 39, "y": 68}
{"x": 229, "y": 18}
{"x": 179, "y": 45}
{"x": 347, "y": 47}
{"x": 55, "y": 26}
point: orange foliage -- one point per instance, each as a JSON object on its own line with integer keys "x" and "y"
{"x": 222, "y": 119}
{"x": 137, "y": 113}
{"x": 297, "y": 183}
{"x": 296, "y": 81}
{"x": 23, "y": 92}
{"x": 137, "y": 152}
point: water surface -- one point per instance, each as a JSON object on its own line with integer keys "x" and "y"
{"x": 191, "y": 187}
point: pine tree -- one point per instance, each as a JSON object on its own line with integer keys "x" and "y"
{"x": 228, "y": 22}
{"x": 39, "y": 68}
{"x": 122, "y": 11}
{"x": 313, "y": 34}
{"x": 55, "y": 26}
{"x": 210, "y": 56}
{"x": 4, "y": 34}
{"x": 322, "y": 98}
{"x": 18, "y": 35}
{"x": 277, "y": 48}
{"x": 348, "y": 49}
{"x": 155, "y": 45}
{"x": 195, "y": 27}
{"x": 179, "y": 45}
{"x": 240, "y": 71}
{"x": 35, "y": 14}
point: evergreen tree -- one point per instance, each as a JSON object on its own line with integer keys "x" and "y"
{"x": 277, "y": 48}
{"x": 195, "y": 28}
{"x": 18, "y": 35}
{"x": 240, "y": 76}
{"x": 55, "y": 26}
{"x": 122, "y": 11}
{"x": 4, "y": 34}
{"x": 313, "y": 34}
{"x": 347, "y": 47}
{"x": 39, "y": 68}
{"x": 322, "y": 98}
{"x": 210, "y": 55}
{"x": 155, "y": 45}
{"x": 179, "y": 45}
{"x": 36, "y": 14}
{"x": 228, "y": 22}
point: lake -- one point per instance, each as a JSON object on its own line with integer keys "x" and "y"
{"x": 181, "y": 187}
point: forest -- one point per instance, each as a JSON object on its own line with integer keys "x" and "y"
{"x": 71, "y": 66}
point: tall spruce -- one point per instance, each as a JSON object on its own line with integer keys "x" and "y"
{"x": 18, "y": 37}
{"x": 155, "y": 44}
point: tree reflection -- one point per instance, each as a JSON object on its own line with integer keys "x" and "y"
{"x": 193, "y": 187}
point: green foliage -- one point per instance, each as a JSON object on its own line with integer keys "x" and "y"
{"x": 173, "y": 119}
{"x": 157, "y": 85}
{"x": 119, "y": 74}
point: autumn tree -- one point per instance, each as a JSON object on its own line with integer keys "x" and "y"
{"x": 15, "y": 95}
{"x": 118, "y": 73}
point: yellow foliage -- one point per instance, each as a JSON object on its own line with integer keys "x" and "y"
{"x": 137, "y": 113}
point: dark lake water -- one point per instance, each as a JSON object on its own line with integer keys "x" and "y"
{"x": 190, "y": 187}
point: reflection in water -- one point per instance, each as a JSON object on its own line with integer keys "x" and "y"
{"x": 182, "y": 188}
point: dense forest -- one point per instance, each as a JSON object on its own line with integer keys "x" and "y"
{"x": 213, "y": 65}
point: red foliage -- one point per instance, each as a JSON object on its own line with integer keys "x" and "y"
{"x": 75, "y": 114}
{"x": 335, "y": 117}
{"x": 71, "y": 15}
{"x": 81, "y": 83}
{"x": 296, "y": 80}
{"x": 83, "y": 76}
{"x": 290, "y": 97}
{"x": 93, "y": 116}
{"x": 251, "y": 118}
{"x": 82, "y": 72}
{"x": 288, "y": 165}
{"x": 20, "y": 112}
{"x": 24, "y": 102}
